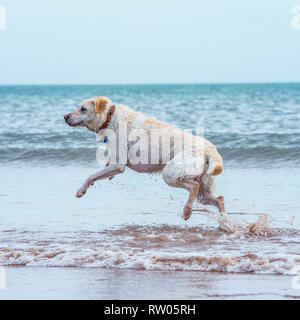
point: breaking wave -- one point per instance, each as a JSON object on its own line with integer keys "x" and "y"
{"x": 80, "y": 147}
{"x": 163, "y": 247}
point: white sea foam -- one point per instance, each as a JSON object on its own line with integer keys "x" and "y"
{"x": 150, "y": 260}
{"x": 242, "y": 248}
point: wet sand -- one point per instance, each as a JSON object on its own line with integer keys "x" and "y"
{"x": 101, "y": 283}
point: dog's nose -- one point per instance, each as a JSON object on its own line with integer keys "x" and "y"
{"x": 66, "y": 116}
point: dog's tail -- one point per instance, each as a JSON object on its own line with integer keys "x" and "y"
{"x": 215, "y": 161}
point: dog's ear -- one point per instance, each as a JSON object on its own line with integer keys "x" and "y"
{"x": 100, "y": 104}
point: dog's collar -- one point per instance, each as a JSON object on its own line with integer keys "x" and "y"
{"x": 110, "y": 113}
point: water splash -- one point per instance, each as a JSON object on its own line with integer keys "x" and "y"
{"x": 263, "y": 227}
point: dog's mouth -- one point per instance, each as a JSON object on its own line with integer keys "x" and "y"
{"x": 67, "y": 120}
{"x": 74, "y": 124}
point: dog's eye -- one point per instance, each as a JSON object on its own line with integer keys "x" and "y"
{"x": 83, "y": 109}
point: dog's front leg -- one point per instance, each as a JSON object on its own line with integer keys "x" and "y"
{"x": 107, "y": 164}
{"x": 108, "y": 172}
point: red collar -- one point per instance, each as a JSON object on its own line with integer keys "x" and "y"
{"x": 110, "y": 113}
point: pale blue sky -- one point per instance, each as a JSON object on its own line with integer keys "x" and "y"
{"x": 148, "y": 41}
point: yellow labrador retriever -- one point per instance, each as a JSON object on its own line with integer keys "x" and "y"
{"x": 134, "y": 140}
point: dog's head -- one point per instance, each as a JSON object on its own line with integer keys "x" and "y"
{"x": 90, "y": 113}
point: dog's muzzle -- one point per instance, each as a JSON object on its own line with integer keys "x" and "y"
{"x": 66, "y": 117}
{"x": 68, "y": 120}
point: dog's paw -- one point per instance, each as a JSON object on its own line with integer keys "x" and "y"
{"x": 187, "y": 213}
{"x": 82, "y": 191}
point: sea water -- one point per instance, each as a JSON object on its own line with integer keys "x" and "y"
{"x": 134, "y": 221}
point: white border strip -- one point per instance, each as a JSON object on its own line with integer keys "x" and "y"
{"x": 2, "y": 278}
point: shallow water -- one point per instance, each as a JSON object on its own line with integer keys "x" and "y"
{"x": 134, "y": 221}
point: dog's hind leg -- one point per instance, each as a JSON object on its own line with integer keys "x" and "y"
{"x": 192, "y": 187}
{"x": 208, "y": 199}
{"x": 205, "y": 193}
{"x": 188, "y": 184}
